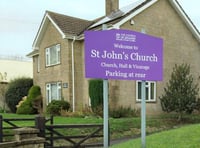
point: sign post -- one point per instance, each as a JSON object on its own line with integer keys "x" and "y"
{"x": 105, "y": 113}
{"x": 143, "y": 112}
{"x": 105, "y": 108}
{"x": 123, "y": 55}
{"x": 143, "y": 115}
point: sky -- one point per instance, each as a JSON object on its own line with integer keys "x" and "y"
{"x": 20, "y": 19}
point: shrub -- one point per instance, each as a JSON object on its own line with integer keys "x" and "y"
{"x": 17, "y": 89}
{"x": 96, "y": 95}
{"x": 180, "y": 94}
{"x": 56, "y": 106}
{"x": 124, "y": 112}
{"x": 34, "y": 92}
{"x": 26, "y": 107}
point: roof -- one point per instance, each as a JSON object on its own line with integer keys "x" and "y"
{"x": 33, "y": 53}
{"x": 120, "y": 13}
{"x": 70, "y": 27}
{"x": 118, "y": 18}
{"x": 68, "y": 24}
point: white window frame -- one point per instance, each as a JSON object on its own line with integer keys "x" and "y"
{"x": 49, "y": 60}
{"x": 148, "y": 85}
{"x": 49, "y": 87}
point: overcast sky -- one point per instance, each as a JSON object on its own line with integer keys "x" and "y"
{"x": 20, "y": 19}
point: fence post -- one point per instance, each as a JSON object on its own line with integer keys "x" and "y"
{"x": 51, "y": 119}
{"x": 1, "y": 128}
{"x": 40, "y": 124}
{"x": 51, "y": 134}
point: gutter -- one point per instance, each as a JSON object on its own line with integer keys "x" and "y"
{"x": 73, "y": 80}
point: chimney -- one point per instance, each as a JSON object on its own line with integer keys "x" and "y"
{"x": 111, "y": 6}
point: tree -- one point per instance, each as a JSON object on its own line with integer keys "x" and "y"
{"x": 180, "y": 94}
{"x": 17, "y": 89}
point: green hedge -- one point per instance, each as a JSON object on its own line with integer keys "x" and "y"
{"x": 96, "y": 95}
{"x": 17, "y": 89}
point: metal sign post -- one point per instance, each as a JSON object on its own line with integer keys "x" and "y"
{"x": 143, "y": 111}
{"x": 105, "y": 106}
{"x": 105, "y": 113}
{"x": 143, "y": 116}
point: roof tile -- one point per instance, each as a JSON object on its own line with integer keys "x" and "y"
{"x": 70, "y": 25}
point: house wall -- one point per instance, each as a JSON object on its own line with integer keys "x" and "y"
{"x": 180, "y": 46}
{"x": 81, "y": 83}
{"x": 61, "y": 72}
{"x": 159, "y": 20}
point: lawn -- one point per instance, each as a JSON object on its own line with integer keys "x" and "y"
{"x": 183, "y": 137}
{"x": 120, "y": 127}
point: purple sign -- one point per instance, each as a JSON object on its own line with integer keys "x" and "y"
{"x": 124, "y": 55}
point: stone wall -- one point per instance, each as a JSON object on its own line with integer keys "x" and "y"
{"x": 3, "y": 88}
{"x": 25, "y": 138}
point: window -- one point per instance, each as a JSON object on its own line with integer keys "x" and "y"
{"x": 53, "y": 55}
{"x": 150, "y": 89}
{"x": 53, "y": 91}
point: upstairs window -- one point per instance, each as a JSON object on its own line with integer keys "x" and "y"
{"x": 53, "y": 55}
{"x": 150, "y": 90}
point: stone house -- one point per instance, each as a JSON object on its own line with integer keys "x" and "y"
{"x": 58, "y": 52}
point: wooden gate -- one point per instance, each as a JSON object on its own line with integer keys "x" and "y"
{"x": 89, "y": 135}
{"x": 57, "y": 136}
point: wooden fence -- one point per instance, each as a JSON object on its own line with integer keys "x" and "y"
{"x": 57, "y": 136}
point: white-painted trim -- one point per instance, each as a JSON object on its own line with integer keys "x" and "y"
{"x": 59, "y": 30}
{"x": 185, "y": 18}
{"x": 44, "y": 24}
{"x": 35, "y": 48}
{"x": 149, "y": 91}
{"x": 38, "y": 36}
{"x": 117, "y": 25}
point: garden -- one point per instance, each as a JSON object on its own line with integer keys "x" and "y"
{"x": 177, "y": 126}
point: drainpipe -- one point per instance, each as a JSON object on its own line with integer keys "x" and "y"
{"x": 73, "y": 87}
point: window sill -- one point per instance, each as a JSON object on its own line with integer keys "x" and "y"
{"x": 154, "y": 101}
{"x": 52, "y": 65}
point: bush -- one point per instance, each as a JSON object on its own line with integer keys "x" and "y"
{"x": 34, "y": 92}
{"x": 26, "y": 106}
{"x": 180, "y": 94}
{"x": 124, "y": 112}
{"x": 55, "y": 107}
{"x": 96, "y": 95}
{"x": 17, "y": 89}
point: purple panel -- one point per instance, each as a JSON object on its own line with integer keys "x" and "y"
{"x": 124, "y": 55}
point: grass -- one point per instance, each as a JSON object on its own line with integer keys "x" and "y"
{"x": 183, "y": 137}
{"x": 120, "y": 127}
